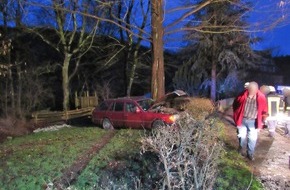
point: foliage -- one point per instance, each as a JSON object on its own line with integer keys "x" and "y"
{"x": 189, "y": 153}
{"x": 225, "y": 85}
{"x": 200, "y": 108}
{"x": 224, "y": 47}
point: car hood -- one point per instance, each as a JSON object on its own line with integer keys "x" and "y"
{"x": 171, "y": 96}
{"x": 170, "y": 103}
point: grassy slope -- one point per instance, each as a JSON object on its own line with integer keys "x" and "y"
{"x": 235, "y": 174}
{"x": 234, "y": 171}
{"x": 116, "y": 154}
{"x": 32, "y": 161}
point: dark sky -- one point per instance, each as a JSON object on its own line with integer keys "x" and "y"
{"x": 273, "y": 17}
{"x": 268, "y": 19}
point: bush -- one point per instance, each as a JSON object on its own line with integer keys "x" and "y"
{"x": 200, "y": 108}
{"x": 12, "y": 126}
{"x": 189, "y": 154}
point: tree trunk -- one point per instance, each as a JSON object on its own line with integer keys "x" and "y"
{"x": 157, "y": 80}
{"x": 213, "y": 82}
{"x": 213, "y": 65}
{"x": 132, "y": 72}
{"x": 65, "y": 81}
{"x": 19, "y": 89}
{"x": 6, "y": 97}
{"x": 11, "y": 83}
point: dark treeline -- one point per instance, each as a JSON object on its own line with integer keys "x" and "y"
{"x": 91, "y": 46}
{"x": 101, "y": 71}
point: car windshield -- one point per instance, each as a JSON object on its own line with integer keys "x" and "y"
{"x": 145, "y": 104}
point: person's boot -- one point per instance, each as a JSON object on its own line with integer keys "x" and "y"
{"x": 240, "y": 151}
{"x": 250, "y": 157}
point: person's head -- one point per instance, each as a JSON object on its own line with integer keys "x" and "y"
{"x": 246, "y": 85}
{"x": 265, "y": 89}
{"x": 253, "y": 88}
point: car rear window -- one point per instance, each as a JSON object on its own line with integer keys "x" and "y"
{"x": 104, "y": 106}
{"x": 119, "y": 106}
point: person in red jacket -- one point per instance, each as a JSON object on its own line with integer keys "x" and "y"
{"x": 249, "y": 108}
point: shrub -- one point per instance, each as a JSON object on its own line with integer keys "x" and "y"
{"x": 189, "y": 154}
{"x": 199, "y": 108}
{"x": 12, "y": 126}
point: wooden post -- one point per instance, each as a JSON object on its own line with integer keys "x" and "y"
{"x": 76, "y": 100}
{"x": 96, "y": 98}
{"x": 36, "y": 118}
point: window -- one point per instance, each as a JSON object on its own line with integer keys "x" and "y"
{"x": 119, "y": 106}
{"x": 130, "y": 107}
{"x": 145, "y": 104}
{"x": 104, "y": 106}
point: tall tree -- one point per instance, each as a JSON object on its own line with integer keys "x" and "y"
{"x": 75, "y": 33}
{"x": 7, "y": 63}
{"x": 159, "y": 31}
{"x": 222, "y": 46}
{"x": 157, "y": 78}
{"x": 129, "y": 11}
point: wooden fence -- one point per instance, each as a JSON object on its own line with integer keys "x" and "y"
{"x": 86, "y": 101}
{"x": 50, "y": 117}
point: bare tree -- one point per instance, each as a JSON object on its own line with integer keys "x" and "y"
{"x": 6, "y": 53}
{"x": 75, "y": 34}
{"x": 126, "y": 12}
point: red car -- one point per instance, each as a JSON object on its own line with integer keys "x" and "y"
{"x": 131, "y": 112}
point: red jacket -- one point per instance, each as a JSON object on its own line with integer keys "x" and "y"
{"x": 239, "y": 106}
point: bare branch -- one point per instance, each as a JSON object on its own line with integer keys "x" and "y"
{"x": 189, "y": 13}
{"x": 115, "y": 22}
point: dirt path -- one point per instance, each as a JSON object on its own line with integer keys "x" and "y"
{"x": 271, "y": 164}
{"x": 72, "y": 172}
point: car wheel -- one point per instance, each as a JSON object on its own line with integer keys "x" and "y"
{"x": 107, "y": 124}
{"x": 157, "y": 124}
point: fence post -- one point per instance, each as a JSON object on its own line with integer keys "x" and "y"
{"x": 76, "y": 100}
{"x": 96, "y": 98}
{"x": 66, "y": 115}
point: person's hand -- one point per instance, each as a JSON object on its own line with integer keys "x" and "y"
{"x": 258, "y": 130}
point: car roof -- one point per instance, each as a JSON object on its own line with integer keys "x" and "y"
{"x": 134, "y": 98}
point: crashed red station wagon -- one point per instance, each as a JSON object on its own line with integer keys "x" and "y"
{"x": 132, "y": 112}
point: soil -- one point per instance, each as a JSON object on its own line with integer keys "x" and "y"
{"x": 272, "y": 161}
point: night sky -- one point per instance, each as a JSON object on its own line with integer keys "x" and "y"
{"x": 268, "y": 19}
{"x": 272, "y": 16}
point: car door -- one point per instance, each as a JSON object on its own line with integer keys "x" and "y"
{"x": 100, "y": 112}
{"x": 133, "y": 116}
{"x": 117, "y": 114}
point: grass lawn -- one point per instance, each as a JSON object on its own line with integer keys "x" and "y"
{"x": 115, "y": 157}
{"x": 235, "y": 174}
{"x": 34, "y": 160}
